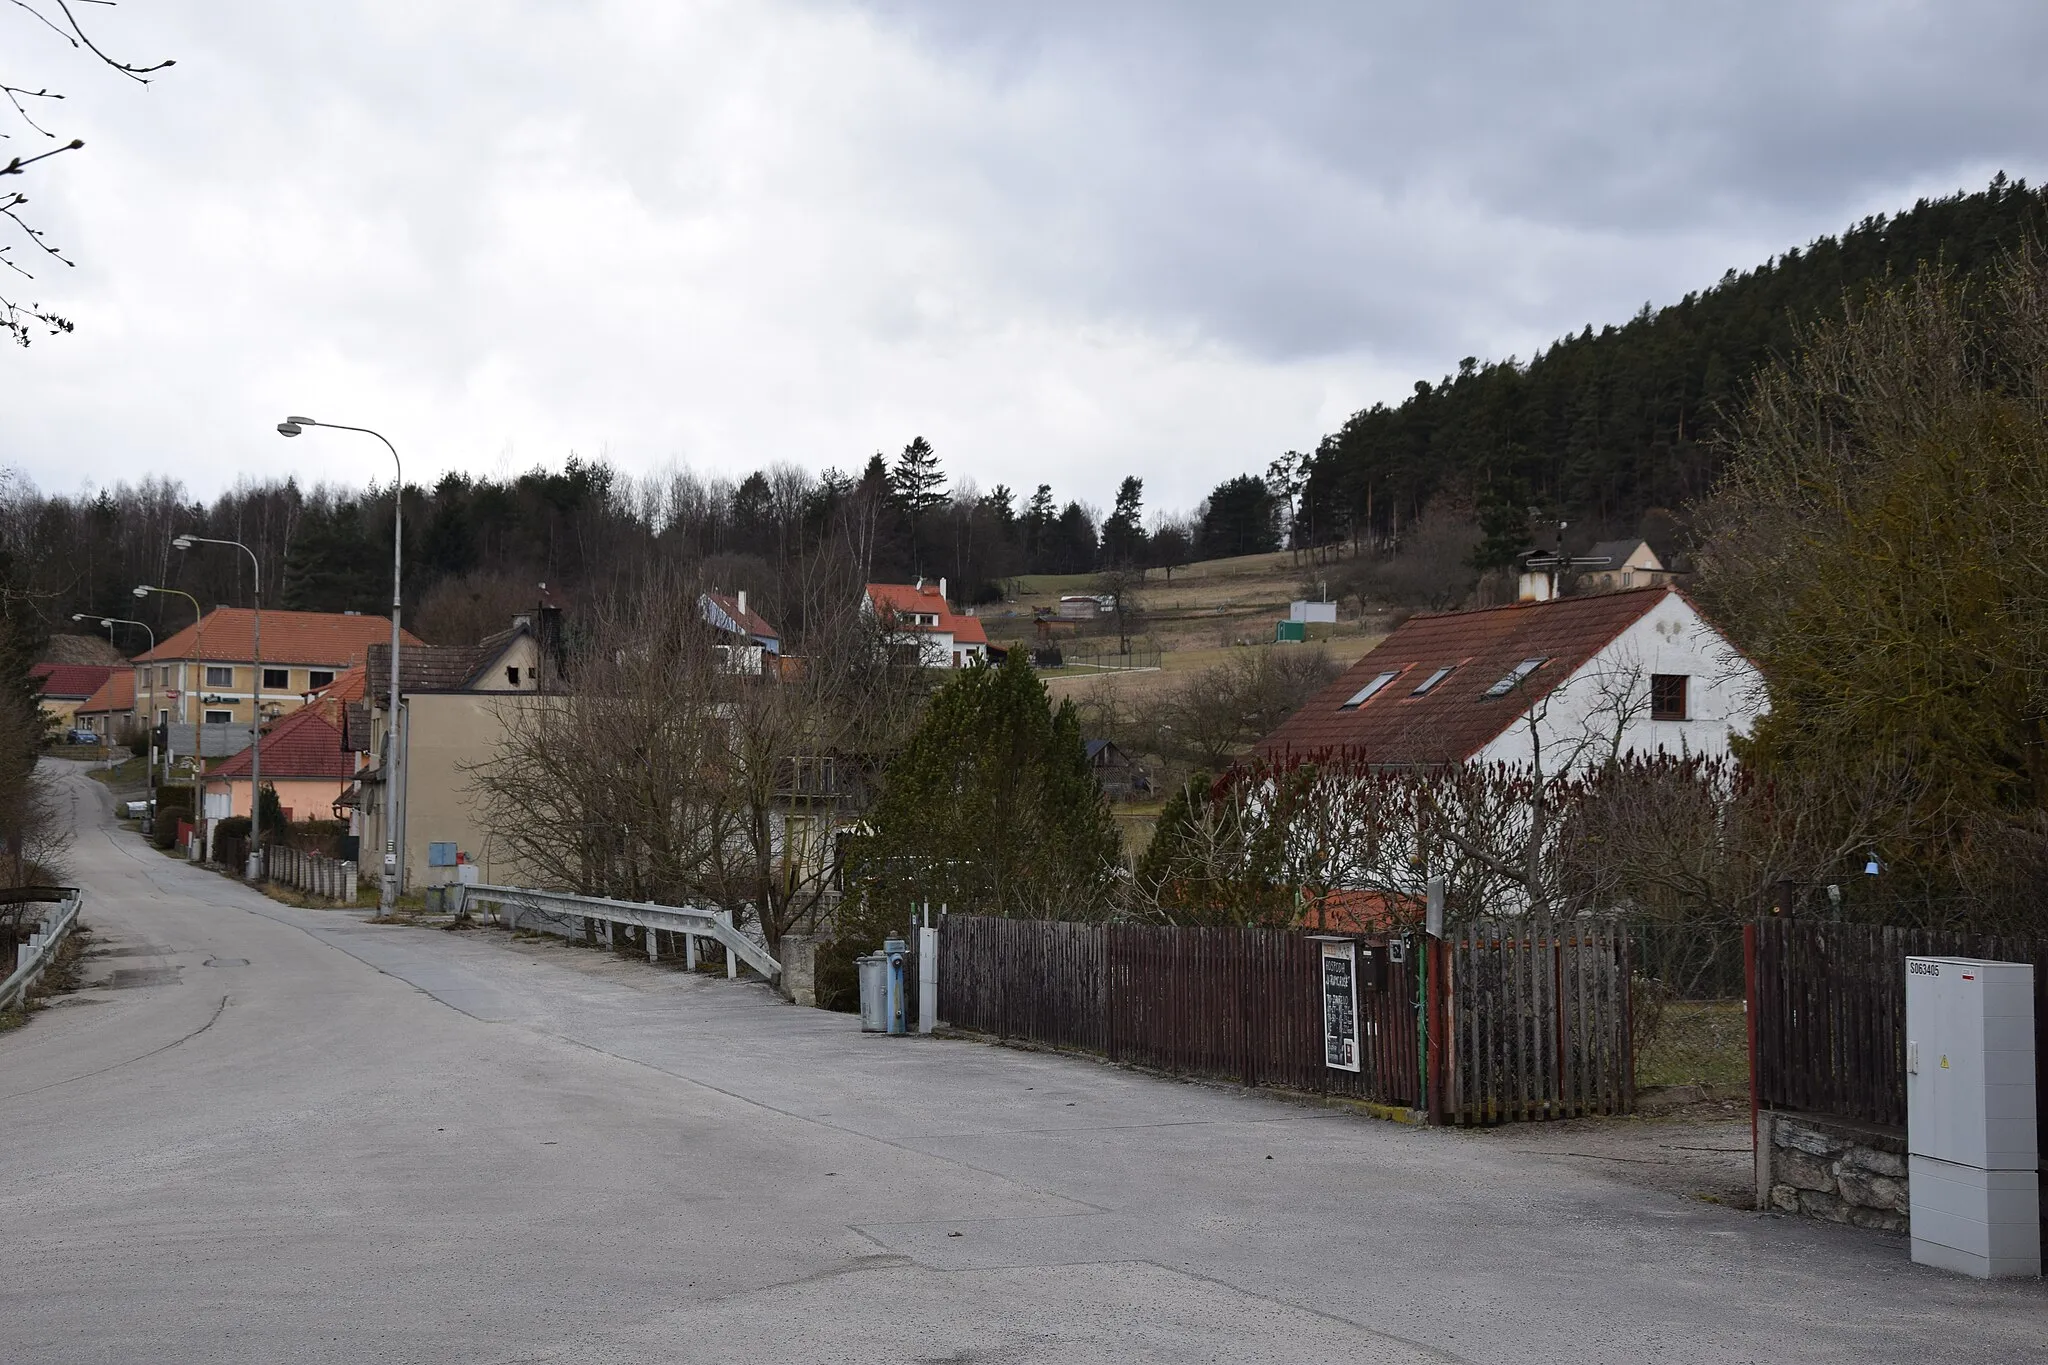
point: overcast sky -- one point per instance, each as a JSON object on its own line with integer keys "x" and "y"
{"x": 1063, "y": 241}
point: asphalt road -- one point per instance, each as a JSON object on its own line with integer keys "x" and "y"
{"x": 275, "y": 1134}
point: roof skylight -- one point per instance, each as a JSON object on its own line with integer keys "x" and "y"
{"x": 1432, "y": 680}
{"x": 1515, "y": 676}
{"x": 1366, "y": 693}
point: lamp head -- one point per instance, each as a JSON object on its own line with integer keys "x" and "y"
{"x": 182, "y": 543}
{"x": 78, "y": 616}
{"x": 141, "y": 591}
{"x": 289, "y": 427}
{"x": 107, "y": 621}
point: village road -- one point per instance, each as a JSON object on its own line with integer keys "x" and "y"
{"x": 273, "y": 1134}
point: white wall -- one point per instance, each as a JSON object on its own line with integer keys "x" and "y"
{"x": 1578, "y": 722}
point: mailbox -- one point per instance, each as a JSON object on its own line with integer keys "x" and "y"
{"x": 1372, "y": 967}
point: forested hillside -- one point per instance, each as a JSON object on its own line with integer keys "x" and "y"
{"x": 1601, "y": 428}
{"x": 1607, "y": 424}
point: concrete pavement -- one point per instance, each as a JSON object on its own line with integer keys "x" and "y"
{"x": 282, "y": 1134}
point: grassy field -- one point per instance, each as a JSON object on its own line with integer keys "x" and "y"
{"x": 1176, "y": 664}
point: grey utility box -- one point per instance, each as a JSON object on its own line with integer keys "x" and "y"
{"x": 1971, "y": 1124}
{"x": 874, "y": 992}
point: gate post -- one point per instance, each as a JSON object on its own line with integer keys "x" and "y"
{"x": 1433, "y": 964}
{"x": 1749, "y": 1023}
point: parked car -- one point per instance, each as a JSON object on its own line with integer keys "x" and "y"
{"x": 82, "y": 736}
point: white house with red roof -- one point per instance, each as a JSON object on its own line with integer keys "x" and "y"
{"x": 1557, "y": 683}
{"x": 921, "y": 626}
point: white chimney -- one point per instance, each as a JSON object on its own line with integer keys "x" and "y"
{"x": 942, "y": 587}
{"x": 920, "y": 583}
{"x": 743, "y": 606}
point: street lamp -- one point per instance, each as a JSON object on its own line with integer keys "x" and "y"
{"x": 149, "y": 682}
{"x": 186, "y": 542}
{"x": 142, "y": 591}
{"x": 394, "y": 801}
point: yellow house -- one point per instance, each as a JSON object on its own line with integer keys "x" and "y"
{"x": 206, "y": 673}
{"x": 449, "y": 723}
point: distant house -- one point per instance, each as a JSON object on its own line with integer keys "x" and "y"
{"x": 1633, "y": 671}
{"x": 65, "y": 688}
{"x": 304, "y": 761}
{"x": 1119, "y": 775}
{"x": 1080, "y": 607}
{"x": 749, "y": 638}
{"x": 110, "y": 712}
{"x": 1629, "y": 564}
{"x": 920, "y": 626}
{"x": 1610, "y": 566}
{"x": 206, "y": 673}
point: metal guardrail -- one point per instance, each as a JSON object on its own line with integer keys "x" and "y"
{"x": 33, "y": 956}
{"x": 691, "y": 921}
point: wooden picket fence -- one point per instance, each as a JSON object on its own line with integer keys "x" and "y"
{"x": 1525, "y": 1027}
{"x": 1536, "y": 1026}
{"x": 1828, "y": 1005}
{"x": 1237, "y": 1004}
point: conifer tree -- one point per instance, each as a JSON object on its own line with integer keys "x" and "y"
{"x": 990, "y": 809}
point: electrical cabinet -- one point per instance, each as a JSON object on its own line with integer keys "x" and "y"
{"x": 1971, "y": 1122}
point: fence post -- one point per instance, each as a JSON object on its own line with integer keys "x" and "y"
{"x": 1749, "y": 1023}
{"x": 1433, "y": 1028}
{"x": 348, "y": 881}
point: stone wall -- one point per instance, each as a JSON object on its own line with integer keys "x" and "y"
{"x": 1826, "y": 1168}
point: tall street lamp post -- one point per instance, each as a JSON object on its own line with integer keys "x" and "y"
{"x": 149, "y": 683}
{"x": 256, "y": 741}
{"x": 394, "y": 801}
{"x": 143, "y": 590}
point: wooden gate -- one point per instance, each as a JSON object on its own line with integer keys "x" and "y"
{"x": 1535, "y": 1026}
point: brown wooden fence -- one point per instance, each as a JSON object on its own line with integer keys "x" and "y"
{"x": 1237, "y": 1004}
{"x": 1526, "y": 1027}
{"x": 1536, "y": 1027}
{"x": 1829, "y": 1011}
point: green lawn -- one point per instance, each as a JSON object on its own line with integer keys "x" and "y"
{"x": 1696, "y": 1043}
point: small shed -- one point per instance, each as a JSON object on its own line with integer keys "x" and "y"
{"x": 1121, "y": 778}
{"x": 1080, "y": 607}
{"x": 1312, "y": 611}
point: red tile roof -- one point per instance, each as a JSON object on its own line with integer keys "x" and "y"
{"x": 347, "y": 686}
{"x": 1454, "y": 720}
{"x": 906, "y": 599}
{"x": 115, "y": 695}
{"x": 69, "y": 682}
{"x": 228, "y": 635}
{"x": 305, "y": 744}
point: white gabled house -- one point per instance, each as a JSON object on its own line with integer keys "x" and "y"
{"x": 920, "y": 626}
{"x": 1568, "y": 681}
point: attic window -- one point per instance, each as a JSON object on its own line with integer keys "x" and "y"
{"x": 1515, "y": 676}
{"x": 1432, "y": 680}
{"x": 512, "y": 676}
{"x": 1667, "y": 696}
{"x": 1366, "y": 693}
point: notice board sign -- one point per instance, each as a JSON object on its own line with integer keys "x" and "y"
{"x": 1340, "y": 1004}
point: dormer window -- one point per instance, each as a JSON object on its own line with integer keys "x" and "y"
{"x": 1516, "y": 676}
{"x": 1371, "y": 689}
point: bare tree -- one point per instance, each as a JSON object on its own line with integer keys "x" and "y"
{"x": 32, "y": 107}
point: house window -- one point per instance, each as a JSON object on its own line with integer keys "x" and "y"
{"x": 319, "y": 678}
{"x": 1667, "y": 696}
{"x": 512, "y": 674}
{"x": 219, "y": 677}
{"x": 277, "y": 679}
{"x": 1432, "y": 680}
{"x": 163, "y": 676}
{"x": 1515, "y": 677}
{"x": 1366, "y": 693}
{"x": 220, "y": 718}
{"x": 163, "y": 715}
